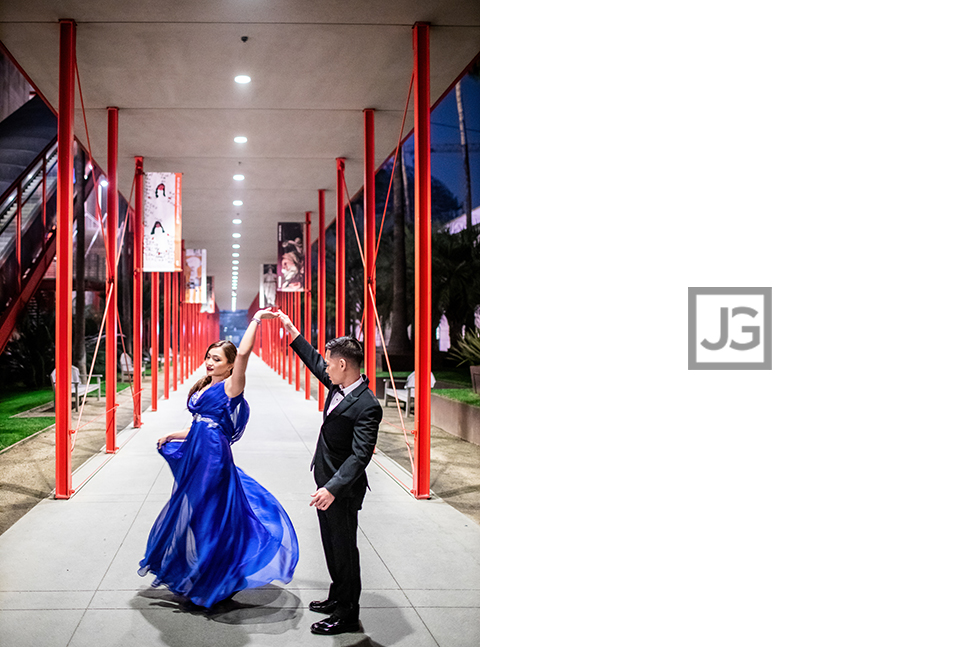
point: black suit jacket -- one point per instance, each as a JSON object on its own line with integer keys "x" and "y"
{"x": 348, "y": 434}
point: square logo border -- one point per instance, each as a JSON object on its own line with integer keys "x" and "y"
{"x": 693, "y": 364}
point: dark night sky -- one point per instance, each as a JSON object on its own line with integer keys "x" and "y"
{"x": 447, "y": 166}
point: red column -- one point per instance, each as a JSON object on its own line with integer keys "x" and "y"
{"x": 298, "y": 318}
{"x": 154, "y": 341}
{"x": 321, "y": 289}
{"x": 339, "y": 269}
{"x": 286, "y": 349}
{"x": 369, "y": 320}
{"x": 136, "y": 326}
{"x": 307, "y": 266}
{"x": 111, "y": 269}
{"x": 184, "y": 320}
{"x": 176, "y": 331}
{"x": 423, "y": 330}
{"x": 167, "y": 326}
{"x": 63, "y": 280}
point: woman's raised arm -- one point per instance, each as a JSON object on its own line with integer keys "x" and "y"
{"x": 236, "y": 382}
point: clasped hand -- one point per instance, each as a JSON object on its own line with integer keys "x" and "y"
{"x": 321, "y": 499}
{"x": 278, "y": 314}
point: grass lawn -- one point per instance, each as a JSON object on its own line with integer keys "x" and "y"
{"x": 14, "y": 401}
{"x": 17, "y": 400}
{"x": 466, "y": 396}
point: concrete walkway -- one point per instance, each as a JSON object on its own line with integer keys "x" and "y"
{"x": 68, "y": 569}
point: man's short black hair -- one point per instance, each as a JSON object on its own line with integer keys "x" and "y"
{"x": 348, "y": 348}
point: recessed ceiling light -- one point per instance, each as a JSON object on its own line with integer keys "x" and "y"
{"x": 235, "y": 254}
{"x": 104, "y": 182}
{"x": 237, "y": 203}
{"x": 242, "y": 78}
{"x": 235, "y": 262}
{"x": 240, "y": 139}
{"x": 238, "y": 176}
{"x": 235, "y": 245}
{"x": 236, "y": 221}
{"x": 236, "y": 235}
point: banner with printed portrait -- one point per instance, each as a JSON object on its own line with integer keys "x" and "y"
{"x": 162, "y": 222}
{"x": 195, "y": 291}
{"x": 267, "y": 286}
{"x": 290, "y": 257}
{"x": 210, "y": 299}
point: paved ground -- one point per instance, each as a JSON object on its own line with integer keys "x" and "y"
{"x": 27, "y": 468}
{"x": 68, "y": 577}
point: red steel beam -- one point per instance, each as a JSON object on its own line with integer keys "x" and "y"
{"x": 154, "y": 339}
{"x": 298, "y": 317}
{"x": 136, "y": 326}
{"x": 321, "y": 288}
{"x": 111, "y": 316}
{"x": 183, "y": 320}
{"x": 63, "y": 287}
{"x": 339, "y": 272}
{"x": 369, "y": 320}
{"x": 422, "y": 260}
{"x": 307, "y": 286}
{"x": 167, "y": 326}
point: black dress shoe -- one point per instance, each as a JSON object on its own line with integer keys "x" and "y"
{"x": 327, "y": 606}
{"x": 335, "y": 625}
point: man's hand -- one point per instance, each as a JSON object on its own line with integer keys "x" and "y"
{"x": 287, "y": 323}
{"x": 321, "y": 499}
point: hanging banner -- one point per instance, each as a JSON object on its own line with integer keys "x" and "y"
{"x": 289, "y": 264}
{"x": 209, "y": 305}
{"x": 162, "y": 222}
{"x": 195, "y": 276}
{"x": 267, "y": 286}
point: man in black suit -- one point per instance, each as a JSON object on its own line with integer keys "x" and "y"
{"x": 345, "y": 445}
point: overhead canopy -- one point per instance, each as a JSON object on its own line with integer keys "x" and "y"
{"x": 169, "y": 65}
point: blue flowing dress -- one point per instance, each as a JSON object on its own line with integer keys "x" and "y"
{"x": 221, "y": 531}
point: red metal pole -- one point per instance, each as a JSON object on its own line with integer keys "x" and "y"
{"x": 369, "y": 320}
{"x": 136, "y": 327}
{"x": 321, "y": 288}
{"x": 63, "y": 280}
{"x": 154, "y": 341}
{"x": 298, "y": 317}
{"x": 111, "y": 287}
{"x": 291, "y": 356}
{"x": 196, "y": 335}
{"x": 197, "y": 332}
{"x": 307, "y": 266}
{"x": 183, "y": 320}
{"x": 176, "y": 332}
{"x": 286, "y": 349}
{"x": 422, "y": 260}
{"x": 341, "y": 238}
{"x": 167, "y": 326}
{"x": 20, "y": 228}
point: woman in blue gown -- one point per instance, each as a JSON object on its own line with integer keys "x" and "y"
{"x": 221, "y": 531}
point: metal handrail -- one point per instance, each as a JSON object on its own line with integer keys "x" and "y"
{"x": 24, "y": 178}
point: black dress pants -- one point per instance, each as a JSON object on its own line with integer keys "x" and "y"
{"x": 338, "y": 531}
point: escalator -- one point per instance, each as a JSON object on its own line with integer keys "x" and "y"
{"x": 28, "y": 207}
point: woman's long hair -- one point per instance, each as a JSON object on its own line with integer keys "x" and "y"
{"x": 229, "y": 349}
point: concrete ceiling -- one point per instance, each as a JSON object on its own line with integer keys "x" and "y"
{"x": 168, "y": 66}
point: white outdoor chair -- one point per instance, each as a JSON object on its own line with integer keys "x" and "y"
{"x": 77, "y": 388}
{"x": 126, "y": 366}
{"x": 405, "y": 395}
